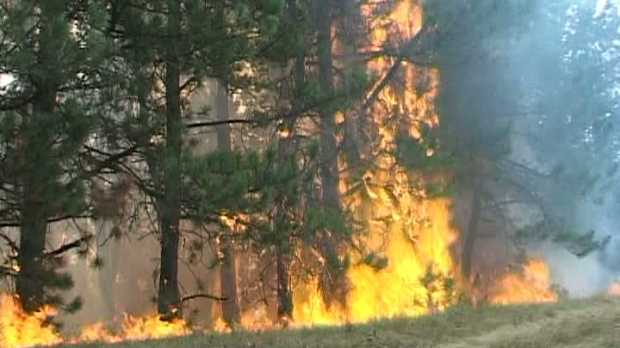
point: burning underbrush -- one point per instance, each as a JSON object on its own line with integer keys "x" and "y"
{"x": 532, "y": 284}
{"x": 376, "y": 295}
{"x": 19, "y": 330}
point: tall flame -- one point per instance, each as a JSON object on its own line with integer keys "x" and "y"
{"x": 411, "y": 232}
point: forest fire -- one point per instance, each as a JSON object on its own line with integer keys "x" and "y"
{"x": 412, "y": 270}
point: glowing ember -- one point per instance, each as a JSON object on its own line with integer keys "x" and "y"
{"x": 528, "y": 287}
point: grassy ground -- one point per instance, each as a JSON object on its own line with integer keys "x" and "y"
{"x": 576, "y": 324}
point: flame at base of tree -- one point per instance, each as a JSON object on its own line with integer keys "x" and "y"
{"x": 406, "y": 266}
{"x": 532, "y": 285}
{"x": 408, "y": 275}
{"x": 19, "y": 330}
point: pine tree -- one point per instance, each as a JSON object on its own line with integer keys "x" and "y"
{"x": 228, "y": 273}
{"x": 56, "y": 55}
{"x": 332, "y": 281}
{"x": 190, "y": 40}
{"x": 479, "y": 136}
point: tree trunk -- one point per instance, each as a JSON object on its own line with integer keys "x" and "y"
{"x": 472, "y": 231}
{"x": 332, "y": 283}
{"x": 283, "y": 250}
{"x": 329, "y": 161}
{"x": 108, "y": 249}
{"x": 284, "y": 292}
{"x": 228, "y": 271}
{"x": 168, "y": 296}
{"x": 30, "y": 282}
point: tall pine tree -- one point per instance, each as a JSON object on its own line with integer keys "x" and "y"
{"x": 56, "y": 55}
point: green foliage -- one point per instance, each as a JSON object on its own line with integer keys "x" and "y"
{"x": 579, "y": 244}
{"x": 462, "y": 27}
{"x": 377, "y": 262}
{"x": 355, "y": 85}
{"x": 323, "y": 218}
{"x": 413, "y": 154}
{"x": 440, "y": 289}
{"x": 220, "y": 181}
{"x": 49, "y": 111}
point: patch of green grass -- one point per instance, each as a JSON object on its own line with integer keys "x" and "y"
{"x": 578, "y": 323}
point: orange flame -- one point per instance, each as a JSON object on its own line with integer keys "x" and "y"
{"x": 403, "y": 227}
{"x": 19, "y": 330}
{"x": 532, "y": 285}
{"x": 614, "y": 288}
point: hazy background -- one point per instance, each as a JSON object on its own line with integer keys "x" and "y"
{"x": 567, "y": 65}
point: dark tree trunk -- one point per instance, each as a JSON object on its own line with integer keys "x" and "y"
{"x": 472, "y": 231}
{"x": 332, "y": 282}
{"x": 329, "y": 160}
{"x": 30, "y": 282}
{"x": 108, "y": 247}
{"x": 228, "y": 271}
{"x": 283, "y": 251}
{"x": 284, "y": 247}
{"x": 284, "y": 292}
{"x": 168, "y": 296}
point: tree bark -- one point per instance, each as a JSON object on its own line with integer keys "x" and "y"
{"x": 472, "y": 231}
{"x": 284, "y": 291}
{"x": 228, "y": 270}
{"x": 283, "y": 250}
{"x": 30, "y": 282}
{"x": 168, "y": 296}
{"x": 332, "y": 282}
{"x": 108, "y": 248}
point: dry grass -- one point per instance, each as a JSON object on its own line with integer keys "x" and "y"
{"x": 584, "y": 323}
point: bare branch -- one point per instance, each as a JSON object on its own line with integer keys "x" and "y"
{"x": 66, "y": 247}
{"x": 207, "y": 296}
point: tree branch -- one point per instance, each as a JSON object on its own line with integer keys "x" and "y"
{"x": 66, "y": 247}
{"x": 207, "y": 296}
